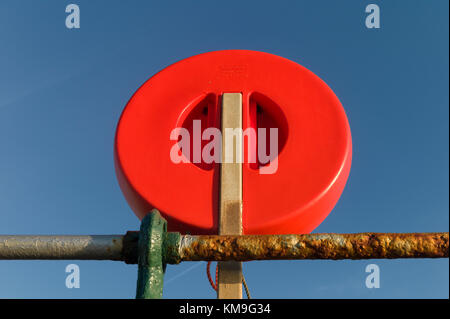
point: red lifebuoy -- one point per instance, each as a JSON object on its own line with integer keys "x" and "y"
{"x": 314, "y": 141}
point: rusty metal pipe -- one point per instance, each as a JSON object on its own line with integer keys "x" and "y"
{"x": 312, "y": 246}
{"x": 179, "y": 248}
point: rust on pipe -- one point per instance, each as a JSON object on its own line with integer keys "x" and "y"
{"x": 311, "y": 246}
{"x": 179, "y": 248}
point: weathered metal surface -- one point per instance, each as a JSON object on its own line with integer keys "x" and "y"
{"x": 171, "y": 245}
{"x": 177, "y": 248}
{"x": 151, "y": 267}
{"x": 313, "y": 246}
{"x": 88, "y": 247}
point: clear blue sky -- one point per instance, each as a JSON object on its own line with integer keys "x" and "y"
{"x": 62, "y": 91}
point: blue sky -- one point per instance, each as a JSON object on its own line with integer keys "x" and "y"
{"x": 62, "y": 92}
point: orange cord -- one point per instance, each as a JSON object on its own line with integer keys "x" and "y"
{"x": 208, "y": 273}
{"x": 214, "y": 285}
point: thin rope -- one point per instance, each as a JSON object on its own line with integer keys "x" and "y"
{"x": 214, "y": 284}
{"x": 208, "y": 273}
{"x": 246, "y": 287}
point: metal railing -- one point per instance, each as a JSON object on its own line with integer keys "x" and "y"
{"x": 153, "y": 247}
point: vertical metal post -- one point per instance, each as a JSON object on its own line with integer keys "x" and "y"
{"x": 151, "y": 267}
{"x": 229, "y": 284}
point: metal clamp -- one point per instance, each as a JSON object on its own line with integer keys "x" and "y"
{"x": 150, "y": 257}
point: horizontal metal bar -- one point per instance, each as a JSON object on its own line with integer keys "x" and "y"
{"x": 222, "y": 248}
{"x": 312, "y": 246}
{"x": 89, "y": 247}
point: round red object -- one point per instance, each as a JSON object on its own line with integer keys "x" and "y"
{"x": 315, "y": 147}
